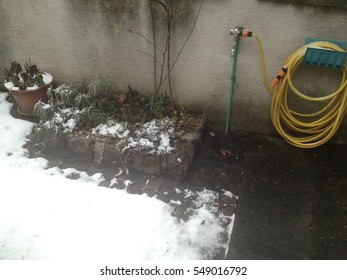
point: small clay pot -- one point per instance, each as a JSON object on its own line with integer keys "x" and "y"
{"x": 26, "y": 99}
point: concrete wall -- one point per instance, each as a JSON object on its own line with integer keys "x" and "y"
{"x": 85, "y": 39}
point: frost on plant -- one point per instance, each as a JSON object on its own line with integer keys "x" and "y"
{"x": 69, "y": 107}
{"x": 125, "y": 116}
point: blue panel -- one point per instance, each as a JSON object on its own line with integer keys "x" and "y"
{"x": 325, "y": 57}
{"x": 341, "y": 44}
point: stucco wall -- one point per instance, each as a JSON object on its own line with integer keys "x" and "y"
{"x": 84, "y": 39}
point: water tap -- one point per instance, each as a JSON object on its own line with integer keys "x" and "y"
{"x": 236, "y": 33}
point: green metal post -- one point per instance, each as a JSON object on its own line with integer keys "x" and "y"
{"x": 232, "y": 78}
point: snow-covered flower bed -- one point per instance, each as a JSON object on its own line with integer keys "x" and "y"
{"x": 155, "y": 136}
{"x": 46, "y": 215}
{"x": 69, "y": 110}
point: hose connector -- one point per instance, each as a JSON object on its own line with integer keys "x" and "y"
{"x": 279, "y": 76}
{"x": 246, "y": 33}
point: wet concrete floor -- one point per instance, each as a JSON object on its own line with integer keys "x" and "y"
{"x": 292, "y": 202}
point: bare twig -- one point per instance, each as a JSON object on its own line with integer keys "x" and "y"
{"x": 154, "y": 47}
{"x": 150, "y": 55}
{"x": 187, "y": 39}
{"x": 166, "y": 53}
{"x": 169, "y": 23}
{"x": 162, "y": 4}
{"x": 162, "y": 65}
{"x": 144, "y": 37}
{"x": 167, "y": 43}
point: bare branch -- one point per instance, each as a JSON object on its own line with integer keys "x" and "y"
{"x": 154, "y": 47}
{"x": 143, "y": 36}
{"x": 162, "y": 4}
{"x": 185, "y": 42}
{"x": 162, "y": 66}
{"x": 151, "y": 56}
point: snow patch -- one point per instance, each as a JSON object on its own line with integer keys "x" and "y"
{"x": 177, "y": 202}
{"x": 154, "y": 136}
{"x": 116, "y": 130}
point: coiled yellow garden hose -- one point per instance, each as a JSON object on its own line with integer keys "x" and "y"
{"x": 302, "y": 130}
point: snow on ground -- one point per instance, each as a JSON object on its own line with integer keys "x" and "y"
{"x": 45, "y": 215}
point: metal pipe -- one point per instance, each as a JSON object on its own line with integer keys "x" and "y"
{"x": 236, "y": 32}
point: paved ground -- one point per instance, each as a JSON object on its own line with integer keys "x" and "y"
{"x": 292, "y": 202}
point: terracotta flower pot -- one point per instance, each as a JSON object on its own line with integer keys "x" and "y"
{"x": 26, "y": 99}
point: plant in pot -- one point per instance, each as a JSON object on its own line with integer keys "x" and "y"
{"x": 27, "y": 86}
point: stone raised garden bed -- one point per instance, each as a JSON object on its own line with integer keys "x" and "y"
{"x": 158, "y": 147}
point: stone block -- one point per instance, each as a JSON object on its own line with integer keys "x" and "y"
{"x": 99, "y": 149}
{"x": 112, "y": 154}
{"x": 142, "y": 161}
{"x": 54, "y": 142}
{"x": 80, "y": 145}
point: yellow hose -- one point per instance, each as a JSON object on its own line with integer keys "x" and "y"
{"x": 312, "y": 129}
